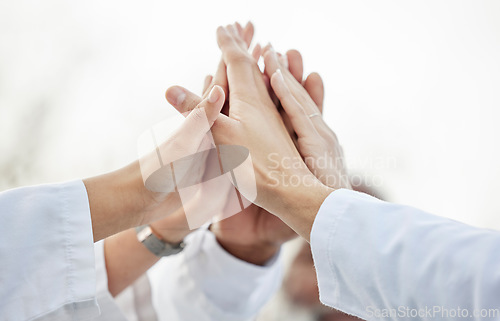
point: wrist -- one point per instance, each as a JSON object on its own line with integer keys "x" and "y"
{"x": 172, "y": 229}
{"x": 115, "y": 201}
{"x": 169, "y": 234}
{"x": 299, "y": 204}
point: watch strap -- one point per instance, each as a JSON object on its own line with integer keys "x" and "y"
{"x": 155, "y": 245}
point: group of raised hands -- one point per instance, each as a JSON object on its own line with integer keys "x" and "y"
{"x": 253, "y": 163}
{"x": 276, "y": 115}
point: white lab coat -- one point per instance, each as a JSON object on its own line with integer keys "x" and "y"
{"x": 382, "y": 261}
{"x": 46, "y": 254}
{"x": 48, "y": 269}
{"x": 202, "y": 283}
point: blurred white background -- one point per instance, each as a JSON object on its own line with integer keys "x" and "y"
{"x": 412, "y": 88}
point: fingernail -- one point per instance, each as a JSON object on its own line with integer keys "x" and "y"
{"x": 214, "y": 95}
{"x": 176, "y": 96}
{"x": 280, "y": 74}
{"x": 274, "y": 53}
{"x": 284, "y": 60}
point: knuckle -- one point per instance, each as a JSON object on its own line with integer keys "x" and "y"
{"x": 198, "y": 114}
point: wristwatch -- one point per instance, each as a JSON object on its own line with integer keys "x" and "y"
{"x": 156, "y": 246}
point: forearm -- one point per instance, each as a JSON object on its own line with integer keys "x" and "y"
{"x": 116, "y": 201}
{"x": 119, "y": 201}
{"x": 127, "y": 258}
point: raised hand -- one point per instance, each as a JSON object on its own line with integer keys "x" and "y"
{"x": 257, "y": 125}
{"x": 253, "y": 235}
{"x": 303, "y": 104}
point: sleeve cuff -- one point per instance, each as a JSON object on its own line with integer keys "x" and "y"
{"x": 323, "y": 236}
{"x": 234, "y": 287}
{"x": 81, "y": 280}
{"x": 325, "y": 226}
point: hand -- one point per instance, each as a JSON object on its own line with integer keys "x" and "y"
{"x": 119, "y": 200}
{"x": 254, "y": 122}
{"x": 258, "y": 121}
{"x": 316, "y": 142}
{"x": 254, "y": 235}
{"x": 210, "y": 200}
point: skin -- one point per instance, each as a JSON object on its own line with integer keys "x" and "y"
{"x": 249, "y": 117}
{"x": 254, "y": 224}
{"x": 126, "y": 258}
{"x": 314, "y": 138}
{"x": 295, "y": 204}
{"x": 119, "y": 200}
{"x": 254, "y": 235}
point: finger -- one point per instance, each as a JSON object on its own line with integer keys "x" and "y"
{"x": 271, "y": 62}
{"x": 248, "y": 33}
{"x": 267, "y": 81}
{"x": 212, "y": 104}
{"x": 266, "y": 48}
{"x": 256, "y": 52}
{"x": 300, "y": 121}
{"x": 239, "y": 63}
{"x": 283, "y": 61}
{"x": 237, "y": 37}
{"x": 188, "y": 101}
{"x": 315, "y": 88}
{"x": 182, "y": 99}
{"x": 295, "y": 63}
{"x": 239, "y": 28}
{"x": 199, "y": 121}
{"x": 220, "y": 78}
{"x": 206, "y": 84}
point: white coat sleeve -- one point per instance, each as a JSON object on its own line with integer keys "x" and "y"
{"x": 382, "y": 261}
{"x": 110, "y": 310}
{"x": 47, "y": 254}
{"x": 205, "y": 282}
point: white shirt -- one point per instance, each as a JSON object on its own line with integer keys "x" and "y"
{"x": 382, "y": 261}
{"x": 202, "y": 283}
{"x": 46, "y": 254}
{"x": 48, "y": 268}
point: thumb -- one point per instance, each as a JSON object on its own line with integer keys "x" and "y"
{"x": 182, "y": 99}
{"x": 210, "y": 106}
{"x": 200, "y": 119}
